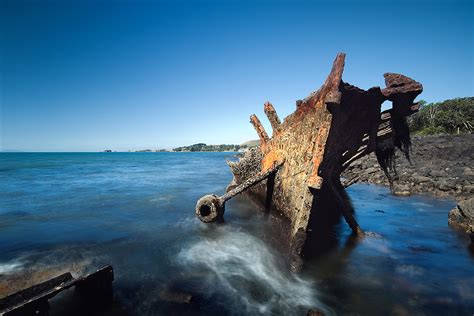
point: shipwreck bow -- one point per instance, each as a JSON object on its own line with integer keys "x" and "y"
{"x": 330, "y": 129}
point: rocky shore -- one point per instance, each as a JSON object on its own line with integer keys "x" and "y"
{"x": 441, "y": 165}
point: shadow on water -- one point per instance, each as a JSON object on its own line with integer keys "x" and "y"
{"x": 324, "y": 225}
{"x": 413, "y": 263}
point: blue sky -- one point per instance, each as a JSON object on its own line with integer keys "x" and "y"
{"x": 93, "y": 75}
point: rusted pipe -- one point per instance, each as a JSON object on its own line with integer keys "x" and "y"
{"x": 210, "y": 208}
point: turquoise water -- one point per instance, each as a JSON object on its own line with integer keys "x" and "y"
{"x": 135, "y": 211}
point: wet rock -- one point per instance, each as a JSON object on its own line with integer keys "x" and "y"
{"x": 470, "y": 231}
{"x": 401, "y": 189}
{"x": 462, "y": 216}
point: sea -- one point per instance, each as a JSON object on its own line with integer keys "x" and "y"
{"x": 78, "y": 212}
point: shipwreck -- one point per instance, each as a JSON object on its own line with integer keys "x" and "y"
{"x": 297, "y": 171}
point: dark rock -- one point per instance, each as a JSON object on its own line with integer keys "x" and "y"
{"x": 447, "y": 168}
{"x": 437, "y": 173}
{"x": 371, "y": 170}
{"x": 470, "y": 231}
{"x": 421, "y": 179}
{"x": 445, "y": 185}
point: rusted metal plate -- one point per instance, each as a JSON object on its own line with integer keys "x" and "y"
{"x": 34, "y": 300}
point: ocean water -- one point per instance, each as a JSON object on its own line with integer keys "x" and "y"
{"x": 135, "y": 211}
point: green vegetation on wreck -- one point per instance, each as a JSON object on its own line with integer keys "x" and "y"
{"x": 454, "y": 116}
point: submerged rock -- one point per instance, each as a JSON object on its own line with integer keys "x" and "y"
{"x": 175, "y": 296}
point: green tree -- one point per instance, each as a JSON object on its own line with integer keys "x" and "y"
{"x": 453, "y": 116}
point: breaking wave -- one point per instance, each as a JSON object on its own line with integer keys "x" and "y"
{"x": 243, "y": 268}
{"x": 9, "y": 267}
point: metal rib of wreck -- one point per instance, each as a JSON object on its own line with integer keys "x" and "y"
{"x": 330, "y": 129}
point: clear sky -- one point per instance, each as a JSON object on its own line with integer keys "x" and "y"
{"x": 93, "y": 75}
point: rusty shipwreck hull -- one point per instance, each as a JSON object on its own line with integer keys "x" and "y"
{"x": 331, "y": 128}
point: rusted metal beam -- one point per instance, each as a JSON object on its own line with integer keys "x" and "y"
{"x": 34, "y": 300}
{"x": 262, "y": 134}
{"x": 272, "y": 116}
{"x": 210, "y": 208}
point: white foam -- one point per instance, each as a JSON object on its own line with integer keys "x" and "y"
{"x": 7, "y": 268}
{"x": 248, "y": 271}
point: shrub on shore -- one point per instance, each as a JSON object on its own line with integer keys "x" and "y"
{"x": 454, "y": 116}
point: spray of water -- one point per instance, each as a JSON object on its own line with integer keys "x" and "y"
{"x": 9, "y": 267}
{"x": 244, "y": 269}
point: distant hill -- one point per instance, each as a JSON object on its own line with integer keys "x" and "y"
{"x": 454, "y": 116}
{"x": 251, "y": 143}
{"x": 205, "y": 147}
{"x": 222, "y": 147}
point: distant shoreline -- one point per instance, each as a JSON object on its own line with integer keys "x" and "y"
{"x": 112, "y": 152}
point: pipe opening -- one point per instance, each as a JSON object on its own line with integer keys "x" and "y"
{"x": 205, "y": 210}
